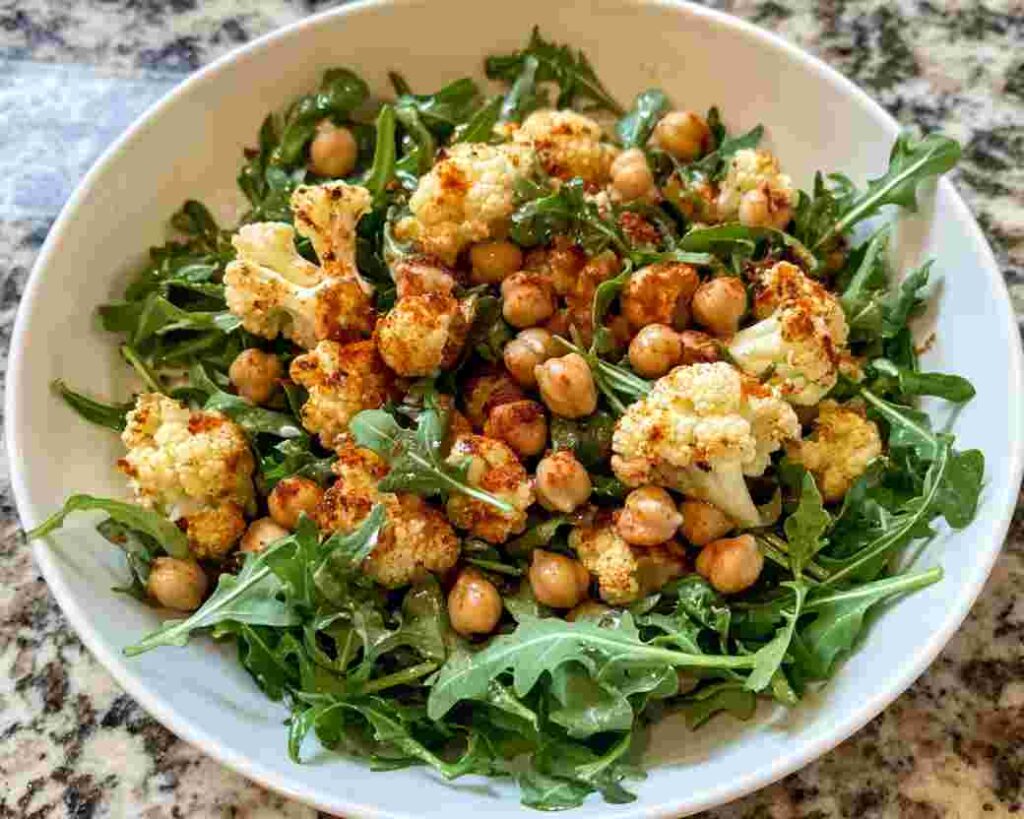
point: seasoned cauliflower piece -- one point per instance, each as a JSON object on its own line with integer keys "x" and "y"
{"x": 466, "y": 197}
{"x": 494, "y": 468}
{"x": 192, "y": 465}
{"x": 659, "y": 293}
{"x": 839, "y": 449}
{"x": 755, "y": 190}
{"x": 415, "y": 538}
{"x": 342, "y": 380}
{"x": 275, "y": 291}
{"x": 699, "y": 431}
{"x": 624, "y": 573}
{"x": 423, "y": 334}
{"x": 800, "y": 339}
{"x": 569, "y": 145}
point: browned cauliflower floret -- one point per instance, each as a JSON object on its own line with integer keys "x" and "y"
{"x": 466, "y": 197}
{"x": 213, "y": 531}
{"x": 569, "y": 145}
{"x": 659, "y": 294}
{"x": 624, "y": 573}
{"x": 494, "y": 468}
{"x": 342, "y": 380}
{"x": 275, "y": 291}
{"x": 415, "y": 538}
{"x": 839, "y": 449}
{"x": 423, "y": 334}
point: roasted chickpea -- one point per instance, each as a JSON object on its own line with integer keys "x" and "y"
{"x": 529, "y": 348}
{"x": 684, "y": 134}
{"x": 587, "y": 610}
{"x": 698, "y": 348}
{"x": 493, "y": 262}
{"x": 562, "y": 482}
{"x": 760, "y": 208}
{"x": 176, "y": 584}
{"x": 474, "y": 605}
{"x": 260, "y": 534}
{"x": 333, "y": 150}
{"x": 290, "y": 498}
{"x": 567, "y": 386}
{"x": 731, "y": 564}
{"x": 255, "y": 374}
{"x": 486, "y": 391}
{"x": 655, "y": 350}
{"x": 528, "y": 298}
{"x": 648, "y": 517}
{"x": 564, "y": 262}
{"x": 719, "y": 304}
{"x": 557, "y": 581}
{"x": 631, "y": 176}
{"x": 703, "y": 522}
{"x": 520, "y": 424}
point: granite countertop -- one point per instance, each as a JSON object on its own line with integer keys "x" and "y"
{"x": 75, "y": 73}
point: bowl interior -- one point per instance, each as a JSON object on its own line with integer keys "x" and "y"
{"x": 190, "y": 146}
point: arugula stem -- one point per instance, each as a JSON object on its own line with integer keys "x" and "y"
{"x": 900, "y": 584}
{"x": 776, "y": 550}
{"x": 464, "y": 488}
{"x": 150, "y": 378}
{"x": 403, "y": 677}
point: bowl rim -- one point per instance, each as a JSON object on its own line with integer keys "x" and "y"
{"x": 714, "y": 795}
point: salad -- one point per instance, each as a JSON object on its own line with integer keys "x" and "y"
{"x": 502, "y": 426}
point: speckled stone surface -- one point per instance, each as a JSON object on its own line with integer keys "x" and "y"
{"x": 75, "y": 73}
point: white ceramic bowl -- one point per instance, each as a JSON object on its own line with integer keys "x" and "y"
{"x": 189, "y": 145}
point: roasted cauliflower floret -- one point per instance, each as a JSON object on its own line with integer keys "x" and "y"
{"x": 415, "y": 538}
{"x": 275, "y": 291}
{"x": 700, "y": 430}
{"x": 624, "y": 573}
{"x": 494, "y": 468}
{"x": 755, "y": 191}
{"x": 195, "y": 466}
{"x": 423, "y": 334}
{"x": 342, "y": 380}
{"x": 800, "y": 339}
{"x": 466, "y": 197}
{"x": 659, "y": 294}
{"x": 568, "y": 144}
{"x": 837, "y": 452}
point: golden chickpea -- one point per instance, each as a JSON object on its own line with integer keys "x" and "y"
{"x": 474, "y": 605}
{"x": 567, "y": 386}
{"x": 290, "y": 498}
{"x": 587, "y": 610}
{"x": 255, "y": 374}
{"x": 684, "y": 134}
{"x": 529, "y": 348}
{"x": 698, "y": 348}
{"x": 486, "y": 391}
{"x": 703, "y": 522}
{"x": 655, "y": 350}
{"x": 176, "y": 584}
{"x": 333, "y": 150}
{"x": 562, "y": 482}
{"x": 557, "y": 581}
{"x": 731, "y": 564}
{"x": 260, "y": 534}
{"x": 528, "y": 298}
{"x": 719, "y": 304}
{"x": 520, "y": 424}
{"x": 649, "y": 517}
{"x": 493, "y": 262}
{"x": 759, "y": 208}
{"x": 631, "y": 176}
{"x": 565, "y": 261}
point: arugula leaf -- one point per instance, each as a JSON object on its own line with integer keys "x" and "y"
{"x": 539, "y": 645}
{"x": 635, "y": 128}
{"x": 806, "y": 526}
{"x": 293, "y": 456}
{"x": 900, "y": 305}
{"x": 910, "y": 163}
{"x": 111, "y": 416}
{"x": 523, "y": 96}
{"x": 253, "y": 419}
{"x": 584, "y": 706}
{"x": 768, "y": 659}
{"x": 839, "y": 616}
{"x": 382, "y": 171}
{"x": 911, "y": 382}
{"x": 415, "y": 456}
{"x": 480, "y": 126}
{"x": 571, "y": 71}
{"x": 589, "y": 439}
{"x": 714, "y": 165}
{"x": 731, "y": 697}
{"x": 543, "y": 792}
{"x": 701, "y": 603}
{"x": 442, "y": 111}
{"x": 565, "y": 212}
{"x": 863, "y": 295}
{"x": 170, "y": 538}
